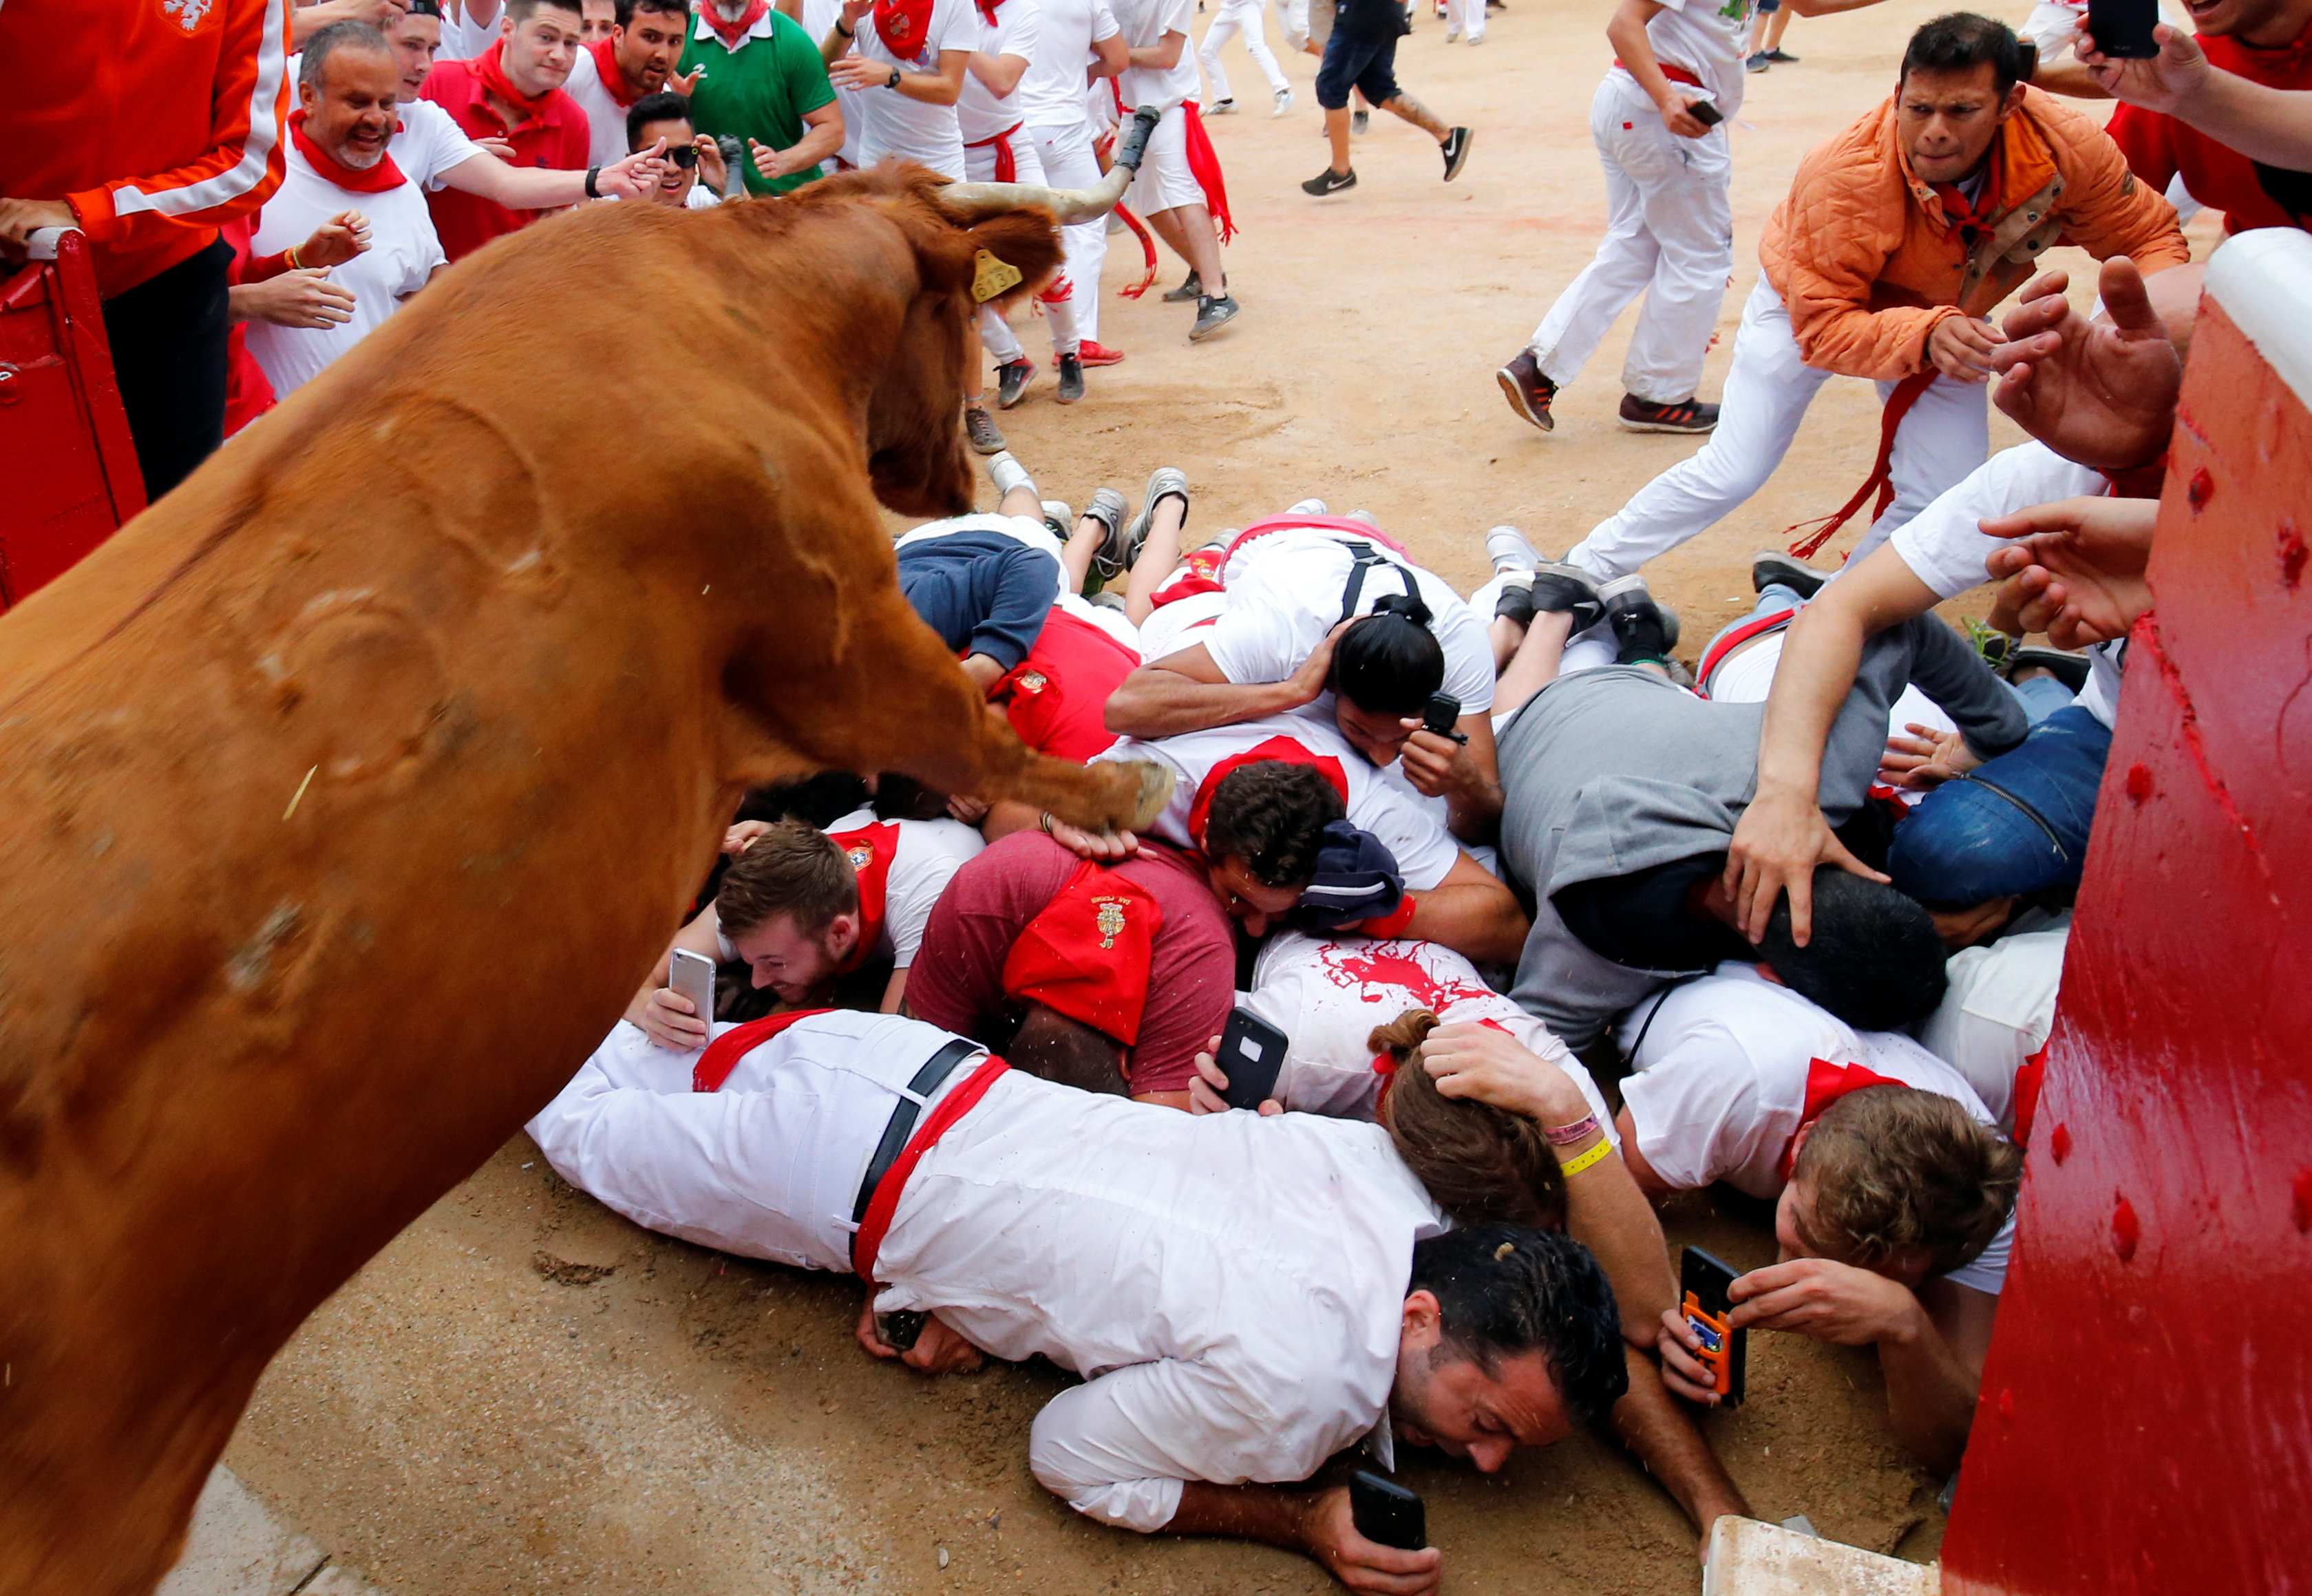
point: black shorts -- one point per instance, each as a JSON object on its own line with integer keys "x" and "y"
{"x": 1366, "y": 62}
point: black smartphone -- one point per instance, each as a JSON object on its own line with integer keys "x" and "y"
{"x": 1441, "y": 714}
{"x": 1710, "y": 116}
{"x": 1252, "y": 1052}
{"x": 1386, "y": 1514}
{"x": 1703, "y": 1282}
{"x": 2123, "y": 28}
{"x": 900, "y": 1328}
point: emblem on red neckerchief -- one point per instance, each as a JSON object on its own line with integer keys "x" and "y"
{"x": 1109, "y": 919}
{"x": 860, "y": 856}
{"x": 1031, "y": 681}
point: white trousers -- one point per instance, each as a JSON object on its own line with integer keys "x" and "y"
{"x": 1946, "y": 435}
{"x": 995, "y": 330}
{"x": 1064, "y": 154}
{"x": 1234, "y": 17}
{"x": 1670, "y": 235}
{"x": 1294, "y": 15}
{"x": 1465, "y": 16}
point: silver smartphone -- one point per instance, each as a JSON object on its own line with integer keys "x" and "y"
{"x": 693, "y": 974}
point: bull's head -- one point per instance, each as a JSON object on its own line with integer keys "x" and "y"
{"x": 918, "y": 457}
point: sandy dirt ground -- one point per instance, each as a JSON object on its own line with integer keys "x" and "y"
{"x": 526, "y": 1393}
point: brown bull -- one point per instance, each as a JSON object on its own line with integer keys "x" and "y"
{"x": 347, "y": 795}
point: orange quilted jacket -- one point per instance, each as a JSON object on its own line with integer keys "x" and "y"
{"x": 1868, "y": 263}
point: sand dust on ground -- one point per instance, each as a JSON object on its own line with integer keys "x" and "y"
{"x": 525, "y": 1393}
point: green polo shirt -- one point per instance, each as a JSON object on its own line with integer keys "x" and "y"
{"x": 761, "y": 92}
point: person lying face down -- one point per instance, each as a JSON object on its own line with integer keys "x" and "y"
{"x": 1894, "y": 1191}
{"x": 1330, "y": 616}
{"x": 1223, "y": 1361}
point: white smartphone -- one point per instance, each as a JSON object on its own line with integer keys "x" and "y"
{"x": 693, "y": 974}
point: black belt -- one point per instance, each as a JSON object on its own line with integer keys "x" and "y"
{"x": 924, "y": 1082}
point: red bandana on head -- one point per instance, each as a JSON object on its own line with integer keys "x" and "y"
{"x": 1826, "y": 1083}
{"x": 904, "y": 26}
{"x": 1275, "y": 748}
{"x": 376, "y": 180}
{"x": 490, "y": 67}
{"x": 1087, "y": 953}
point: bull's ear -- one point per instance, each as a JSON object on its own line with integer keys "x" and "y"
{"x": 1027, "y": 242}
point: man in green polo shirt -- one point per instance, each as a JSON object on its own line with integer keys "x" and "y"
{"x": 764, "y": 82}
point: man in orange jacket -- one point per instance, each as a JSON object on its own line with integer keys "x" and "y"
{"x": 1898, "y": 238}
{"x": 146, "y": 123}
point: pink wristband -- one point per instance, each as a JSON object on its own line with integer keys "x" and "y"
{"x": 1565, "y": 1136}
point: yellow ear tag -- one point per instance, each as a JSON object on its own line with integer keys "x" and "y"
{"x": 992, "y": 276}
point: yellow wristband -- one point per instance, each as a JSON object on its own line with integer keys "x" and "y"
{"x": 290, "y": 255}
{"x": 1574, "y": 1166}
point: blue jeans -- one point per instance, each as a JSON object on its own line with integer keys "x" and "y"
{"x": 2042, "y": 696}
{"x": 2016, "y": 824}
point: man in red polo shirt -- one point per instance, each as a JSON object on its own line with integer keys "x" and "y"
{"x": 2265, "y": 41}
{"x": 612, "y": 74}
{"x": 513, "y": 91}
{"x": 1139, "y": 951}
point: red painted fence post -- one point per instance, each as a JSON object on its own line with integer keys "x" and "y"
{"x": 2146, "y": 1419}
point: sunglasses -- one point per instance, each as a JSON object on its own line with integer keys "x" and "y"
{"x": 686, "y": 157}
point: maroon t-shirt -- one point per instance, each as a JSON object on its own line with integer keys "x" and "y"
{"x": 957, "y": 980}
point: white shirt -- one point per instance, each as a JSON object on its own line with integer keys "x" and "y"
{"x": 1327, "y": 996}
{"x": 604, "y": 115}
{"x": 403, "y": 251}
{"x": 1721, "y": 1084}
{"x": 463, "y": 39}
{"x": 818, "y": 20}
{"x": 1425, "y": 851}
{"x": 1144, "y": 23}
{"x": 1018, "y": 29}
{"x": 1051, "y": 92}
{"x": 1999, "y": 1010}
{"x": 1284, "y": 594}
{"x": 892, "y": 123}
{"x": 1706, "y": 38}
{"x": 1109, "y": 1236}
{"x": 1946, "y": 550}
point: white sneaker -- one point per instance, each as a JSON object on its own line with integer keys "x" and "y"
{"x": 1510, "y": 550}
{"x": 1008, "y": 473}
{"x": 1477, "y": 38}
{"x": 1283, "y": 102}
{"x": 1224, "y": 108}
{"x": 1309, "y": 507}
{"x": 1453, "y": 33}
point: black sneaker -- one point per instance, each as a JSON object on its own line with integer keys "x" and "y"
{"x": 1329, "y": 182}
{"x": 1213, "y": 313}
{"x": 980, "y": 430}
{"x": 1645, "y": 629}
{"x": 1643, "y": 416}
{"x": 1011, "y": 379}
{"x": 1359, "y": 122}
{"x": 1781, "y": 57}
{"x": 1757, "y": 62}
{"x": 1560, "y": 589}
{"x": 1456, "y": 149}
{"x": 1527, "y": 390}
{"x": 1773, "y": 568}
{"x": 2070, "y": 669}
{"x": 1191, "y": 288}
{"x": 1071, "y": 380}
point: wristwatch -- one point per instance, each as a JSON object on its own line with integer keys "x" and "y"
{"x": 592, "y": 192}
{"x": 895, "y": 79}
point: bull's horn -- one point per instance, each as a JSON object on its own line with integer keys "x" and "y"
{"x": 965, "y": 203}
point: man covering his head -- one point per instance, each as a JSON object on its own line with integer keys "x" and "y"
{"x": 1225, "y": 1360}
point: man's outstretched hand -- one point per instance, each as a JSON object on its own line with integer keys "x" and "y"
{"x": 1777, "y": 843}
{"x": 2101, "y": 392}
{"x": 1362, "y": 1565}
{"x": 2076, "y": 570}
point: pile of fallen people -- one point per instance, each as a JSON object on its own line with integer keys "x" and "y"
{"x": 1544, "y": 926}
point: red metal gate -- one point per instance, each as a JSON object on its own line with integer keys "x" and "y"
{"x": 2146, "y": 1419}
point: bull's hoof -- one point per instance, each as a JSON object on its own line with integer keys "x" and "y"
{"x": 1155, "y": 792}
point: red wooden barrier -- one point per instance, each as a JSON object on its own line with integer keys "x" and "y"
{"x": 71, "y": 475}
{"x": 2146, "y": 1421}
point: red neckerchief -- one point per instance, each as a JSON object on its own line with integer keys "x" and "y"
{"x": 377, "y": 179}
{"x": 1826, "y": 1083}
{"x": 1275, "y": 748}
{"x": 1088, "y": 952}
{"x": 490, "y": 67}
{"x": 733, "y": 34}
{"x": 614, "y": 79}
{"x": 904, "y": 26}
{"x": 870, "y": 850}
{"x": 725, "y": 1052}
{"x": 1962, "y": 212}
{"x": 987, "y": 9}
{"x": 1205, "y": 166}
